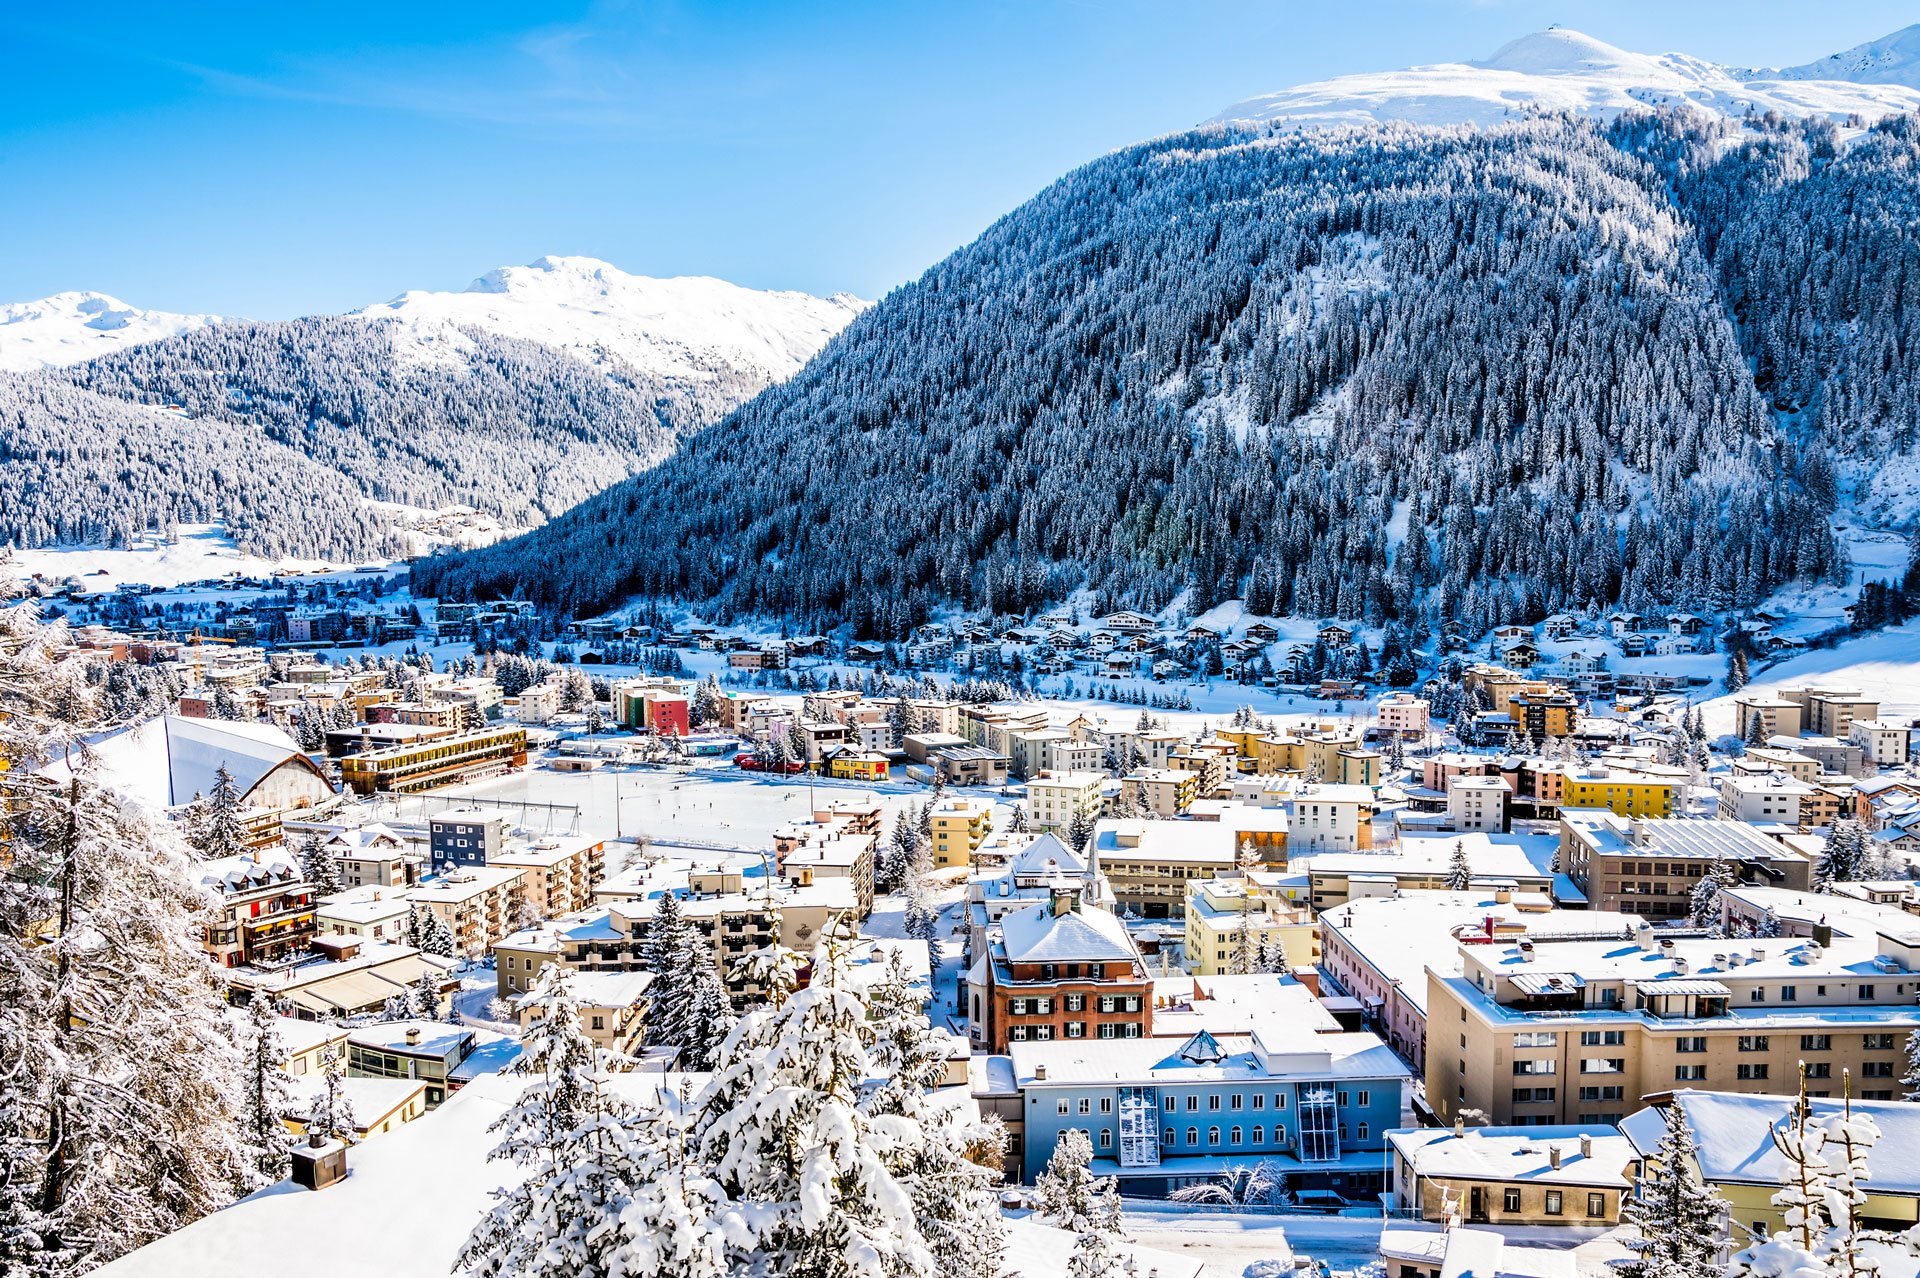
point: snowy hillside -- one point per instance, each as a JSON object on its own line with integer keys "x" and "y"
{"x": 666, "y": 327}
{"x": 1560, "y": 69}
{"x": 70, "y": 327}
{"x": 1892, "y": 59}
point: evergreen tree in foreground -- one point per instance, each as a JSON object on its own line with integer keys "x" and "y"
{"x": 223, "y": 834}
{"x": 709, "y": 1014}
{"x": 1679, "y": 1221}
{"x": 318, "y": 867}
{"x": 668, "y": 954}
{"x": 269, "y": 1095}
{"x": 1459, "y": 869}
{"x": 1069, "y": 1193}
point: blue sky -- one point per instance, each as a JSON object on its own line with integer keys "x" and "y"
{"x": 270, "y": 160}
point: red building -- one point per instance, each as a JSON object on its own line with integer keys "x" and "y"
{"x": 1064, "y": 970}
{"x": 667, "y": 714}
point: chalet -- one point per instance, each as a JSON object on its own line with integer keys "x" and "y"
{"x": 1335, "y": 635}
{"x": 1624, "y": 623}
{"x": 1261, "y": 632}
{"x": 1673, "y": 645}
{"x": 867, "y": 653}
{"x": 1199, "y": 633}
{"x": 1559, "y": 626}
{"x": 1785, "y": 643}
{"x": 1118, "y": 666}
{"x": 1685, "y": 623}
{"x": 1127, "y": 622}
{"x": 1521, "y": 656}
{"x": 1103, "y": 641}
{"x": 1239, "y": 649}
{"x": 1027, "y": 635}
{"x": 807, "y": 646}
{"x": 1580, "y": 662}
{"x": 1340, "y": 690}
{"x": 1512, "y": 634}
{"x": 1633, "y": 645}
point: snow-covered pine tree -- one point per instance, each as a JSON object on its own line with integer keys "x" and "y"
{"x": 669, "y": 1223}
{"x": 1756, "y": 731}
{"x": 667, "y": 954}
{"x": 709, "y": 1013}
{"x": 1704, "y": 904}
{"x": 953, "y": 1174}
{"x": 1273, "y": 955}
{"x": 436, "y": 937}
{"x": 1680, "y": 1222}
{"x": 1099, "y": 1248}
{"x": 318, "y": 866}
{"x": 426, "y": 994}
{"x": 1797, "y": 1251}
{"x": 332, "y": 1115}
{"x": 816, "y": 1186}
{"x": 1246, "y": 947}
{"x": 1459, "y": 869}
{"x": 1846, "y": 852}
{"x": 121, "y": 1112}
{"x": 1079, "y": 830}
{"x": 1068, "y": 1191}
{"x": 1911, "y": 1079}
{"x": 223, "y": 834}
{"x": 269, "y": 1094}
{"x": 922, "y": 913}
{"x": 568, "y": 1217}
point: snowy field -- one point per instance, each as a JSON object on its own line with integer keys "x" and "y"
{"x": 199, "y": 552}
{"x": 719, "y": 807}
{"x": 1884, "y": 664}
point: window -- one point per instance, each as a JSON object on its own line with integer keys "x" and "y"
{"x": 1596, "y": 1205}
{"x": 1819, "y": 1069}
{"x": 1233, "y": 1101}
{"x": 1866, "y": 993}
{"x": 1510, "y": 1200}
{"x": 1757, "y": 995}
{"x": 1086, "y": 1105}
{"x": 1533, "y": 1095}
{"x": 1063, "y": 1104}
{"x": 1213, "y": 1135}
{"x": 1878, "y": 1043}
{"x": 1542, "y": 1038}
{"x": 1319, "y": 1125}
{"x": 1168, "y": 1136}
{"x": 1259, "y": 1135}
{"x": 1340, "y": 1098}
{"x": 1690, "y": 1043}
{"x": 1106, "y": 1104}
{"x": 1589, "y": 1094}
{"x": 1789, "y": 993}
{"x": 1076, "y": 1002}
{"x": 1076, "y": 1029}
{"x": 1750, "y": 1073}
{"x": 1816, "y": 1042}
{"x": 1106, "y": 1138}
{"x": 1193, "y": 1135}
{"x": 1534, "y": 1067}
{"x": 1753, "y": 1042}
{"x": 1877, "y": 1069}
{"x": 1602, "y": 1038}
{"x": 1553, "y": 1202}
{"x": 1689, "y": 1073}
{"x": 1193, "y": 1103}
{"x": 1363, "y": 1099}
{"x": 1259, "y": 1100}
{"x": 1360, "y": 1131}
{"x": 1167, "y": 1103}
{"x": 1213, "y": 1103}
{"x": 1603, "y": 1065}
{"x": 1233, "y": 1136}
{"x": 1279, "y": 1100}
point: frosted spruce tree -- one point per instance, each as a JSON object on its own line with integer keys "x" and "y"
{"x": 709, "y": 1014}
{"x": 332, "y": 1115}
{"x": 223, "y": 833}
{"x": 1099, "y": 1248}
{"x": 1068, "y": 1190}
{"x": 818, "y": 1185}
{"x": 953, "y": 1175}
{"x": 269, "y": 1095}
{"x": 1459, "y": 869}
{"x": 570, "y": 1217}
{"x": 1680, "y": 1222}
{"x": 668, "y": 954}
{"x": 318, "y": 867}
{"x": 123, "y": 1097}
{"x": 1704, "y": 904}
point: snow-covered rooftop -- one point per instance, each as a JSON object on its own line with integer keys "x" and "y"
{"x": 1519, "y": 1154}
{"x": 1732, "y": 1133}
{"x": 1086, "y": 935}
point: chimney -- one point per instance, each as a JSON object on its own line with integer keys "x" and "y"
{"x": 1586, "y": 1145}
{"x": 413, "y": 1036}
{"x": 1553, "y": 1156}
{"x": 1459, "y": 1128}
{"x": 1040, "y": 1072}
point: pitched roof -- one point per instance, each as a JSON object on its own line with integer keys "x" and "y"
{"x": 166, "y": 761}
{"x": 1038, "y": 935}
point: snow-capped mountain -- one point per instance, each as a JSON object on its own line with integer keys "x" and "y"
{"x": 666, "y": 327}
{"x": 70, "y": 327}
{"x": 1564, "y": 70}
{"x": 1892, "y": 59}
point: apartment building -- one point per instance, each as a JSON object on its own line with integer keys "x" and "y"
{"x": 1886, "y": 743}
{"x": 1512, "y": 1175}
{"x": 1626, "y": 791}
{"x": 1542, "y": 715}
{"x": 465, "y": 836}
{"x": 1774, "y": 799}
{"x": 1066, "y": 969}
{"x": 1778, "y": 716}
{"x": 1404, "y": 715}
{"x": 960, "y": 827}
{"x": 1522, "y": 863}
{"x": 1151, "y": 863}
{"x": 559, "y": 872}
{"x": 1479, "y": 803}
{"x": 1579, "y": 1031}
{"x": 1650, "y": 867}
{"x": 1218, "y": 912}
{"x": 1831, "y": 711}
{"x": 266, "y": 908}
{"x": 461, "y": 757}
{"x": 1165, "y": 792}
{"x": 1378, "y": 949}
{"x": 371, "y": 913}
{"x": 613, "y": 1009}
{"x": 1054, "y": 799}
{"x": 1330, "y": 818}
{"x": 480, "y": 904}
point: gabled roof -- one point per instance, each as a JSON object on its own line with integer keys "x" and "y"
{"x": 166, "y": 761}
{"x": 1034, "y": 858}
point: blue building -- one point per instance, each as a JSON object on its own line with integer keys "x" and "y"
{"x": 1163, "y": 1113}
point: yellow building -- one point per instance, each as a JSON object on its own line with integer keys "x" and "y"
{"x": 1512, "y": 1175}
{"x": 1165, "y": 792}
{"x": 1619, "y": 790}
{"x": 857, "y": 765}
{"x": 1219, "y": 909}
{"x": 960, "y": 827}
{"x": 1735, "y": 1156}
{"x": 403, "y": 769}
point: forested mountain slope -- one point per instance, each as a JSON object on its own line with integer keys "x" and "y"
{"x": 1371, "y": 372}
{"x": 523, "y": 395}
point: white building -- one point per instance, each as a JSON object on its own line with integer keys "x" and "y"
{"x": 1479, "y": 803}
{"x": 1055, "y": 798}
